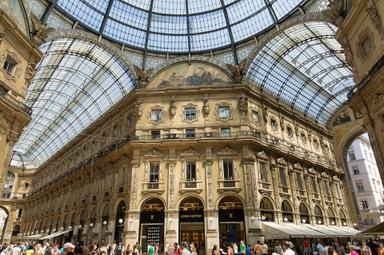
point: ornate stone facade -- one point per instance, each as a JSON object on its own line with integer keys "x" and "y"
{"x": 195, "y": 140}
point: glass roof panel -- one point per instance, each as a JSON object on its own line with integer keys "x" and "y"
{"x": 75, "y": 83}
{"x": 304, "y": 67}
{"x": 133, "y": 22}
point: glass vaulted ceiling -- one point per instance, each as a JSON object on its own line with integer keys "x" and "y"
{"x": 75, "y": 83}
{"x": 304, "y": 66}
{"x": 178, "y": 26}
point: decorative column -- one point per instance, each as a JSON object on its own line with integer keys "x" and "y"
{"x": 276, "y": 188}
{"x": 211, "y": 214}
{"x": 252, "y": 225}
{"x": 132, "y": 222}
{"x": 172, "y": 213}
{"x": 3, "y": 150}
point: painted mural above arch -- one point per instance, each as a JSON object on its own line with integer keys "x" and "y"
{"x": 186, "y": 74}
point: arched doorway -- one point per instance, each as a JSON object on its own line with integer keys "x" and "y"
{"x": 152, "y": 224}
{"x": 3, "y": 222}
{"x": 304, "y": 214}
{"x": 318, "y": 215}
{"x": 287, "y": 211}
{"x": 119, "y": 222}
{"x": 191, "y": 220}
{"x": 266, "y": 210}
{"x": 231, "y": 221}
{"x": 331, "y": 216}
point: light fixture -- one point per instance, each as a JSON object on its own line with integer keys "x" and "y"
{"x": 121, "y": 221}
{"x": 62, "y": 228}
{"x": 285, "y": 219}
{"x": 54, "y": 229}
{"x": 319, "y": 222}
{"x": 37, "y": 231}
{"x": 303, "y": 220}
{"x": 105, "y": 222}
{"x": 333, "y": 223}
{"x": 354, "y": 224}
{"x": 263, "y": 217}
{"x": 80, "y": 226}
{"x": 70, "y": 227}
{"x": 32, "y": 232}
{"x": 344, "y": 224}
{"x": 91, "y": 224}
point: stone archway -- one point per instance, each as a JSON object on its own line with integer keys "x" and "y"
{"x": 4, "y": 215}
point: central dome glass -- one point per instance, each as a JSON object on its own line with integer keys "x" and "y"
{"x": 178, "y": 26}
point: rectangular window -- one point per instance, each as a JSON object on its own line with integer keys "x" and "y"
{"x": 263, "y": 171}
{"x": 26, "y": 185}
{"x": 224, "y": 112}
{"x": 364, "y": 204}
{"x": 359, "y": 187}
{"x": 299, "y": 181}
{"x": 9, "y": 65}
{"x": 156, "y": 115}
{"x": 283, "y": 179}
{"x": 356, "y": 171}
{"x": 190, "y": 133}
{"x": 351, "y": 156}
{"x": 154, "y": 171}
{"x": 327, "y": 188}
{"x": 314, "y": 184}
{"x": 228, "y": 173}
{"x": 225, "y": 132}
{"x": 155, "y": 134}
{"x": 190, "y": 171}
{"x": 190, "y": 113}
{"x": 190, "y": 174}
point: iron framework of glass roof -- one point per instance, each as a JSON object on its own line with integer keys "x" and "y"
{"x": 304, "y": 66}
{"x": 75, "y": 83}
{"x": 178, "y": 26}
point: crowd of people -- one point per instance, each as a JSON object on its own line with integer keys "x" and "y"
{"x": 276, "y": 247}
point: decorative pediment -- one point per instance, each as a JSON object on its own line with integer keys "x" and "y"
{"x": 227, "y": 151}
{"x": 281, "y": 161}
{"x": 153, "y": 153}
{"x": 262, "y": 155}
{"x": 297, "y": 166}
{"x": 190, "y": 152}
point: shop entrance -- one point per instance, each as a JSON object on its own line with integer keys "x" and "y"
{"x": 231, "y": 221}
{"x": 191, "y": 224}
{"x": 152, "y": 224}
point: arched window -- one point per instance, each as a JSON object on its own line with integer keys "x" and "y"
{"x": 287, "y": 211}
{"x": 304, "y": 214}
{"x": 266, "y": 209}
{"x": 318, "y": 215}
{"x": 331, "y": 216}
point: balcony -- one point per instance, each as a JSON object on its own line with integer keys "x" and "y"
{"x": 264, "y": 185}
{"x": 229, "y": 185}
{"x": 153, "y": 187}
{"x": 191, "y": 186}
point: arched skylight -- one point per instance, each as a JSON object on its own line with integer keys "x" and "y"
{"x": 178, "y": 25}
{"x": 304, "y": 67}
{"x": 75, "y": 83}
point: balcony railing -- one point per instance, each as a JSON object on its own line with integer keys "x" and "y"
{"x": 4, "y": 96}
{"x": 153, "y": 187}
{"x": 229, "y": 184}
{"x": 264, "y": 185}
{"x": 191, "y": 186}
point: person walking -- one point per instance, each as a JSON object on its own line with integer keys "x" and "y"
{"x": 215, "y": 250}
{"x": 242, "y": 247}
{"x": 365, "y": 250}
{"x": 257, "y": 250}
